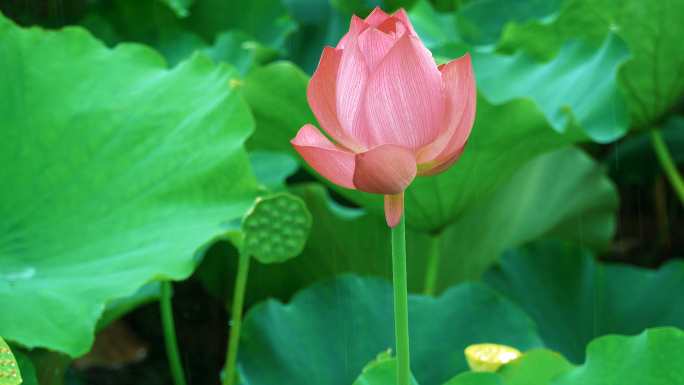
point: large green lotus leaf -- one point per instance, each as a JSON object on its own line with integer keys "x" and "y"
{"x": 654, "y": 357}
{"x": 579, "y": 207}
{"x": 480, "y": 22}
{"x": 382, "y": 373}
{"x": 634, "y": 160}
{"x": 505, "y": 137}
{"x": 434, "y": 28}
{"x": 579, "y": 85}
{"x": 534, "y": 204}
{"x": 116, "y": 171}
{"x": 328, "y": 332}
{"x": 652, "y": 81}
{"x": 536, "y": 367}
{"x": 573, "y": 299}
{"x": 476, "y": 378}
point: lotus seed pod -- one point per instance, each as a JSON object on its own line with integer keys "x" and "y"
{"x": 276, "y": 228}
{"x": 9, "y": 369}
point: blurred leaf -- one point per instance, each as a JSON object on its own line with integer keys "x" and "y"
{"x": 28, "y": 371}
{"x": 476, "y": 378}
{"x": 118, "y": 170}
{"x": 481, "y": 22}
{"x": 272, "y": 168}
{"x": 122, "y": 306}
{"x": 535, "y": 203}
{"x": 633, "y": 160}
{"x": 434, "y": 28}
{"x": 320, "y": 25}
{"x": 536, "y": 367}
{"x": 651, "y": 81}
{"x": 180, "y": 7}
{"x": 331, "y": 330}
{"x": 654, "y": 357}
{"x": 143, "y": 21}
{"x": 578, "y": 87}
{"x": 504, "y": 138}
{"x": 384, "y": 373}
{"x": 573, "y": 299}
{"x": 268, "y": 21}
{"x": 234, "y": 47}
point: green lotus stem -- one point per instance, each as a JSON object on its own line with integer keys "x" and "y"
{"x": 401, "y": 302}
{"x": 236, "y": 317}
{"x": 170, "y": 334}
{"x": 667, "y": 163}
{"x": 433, "y": 265}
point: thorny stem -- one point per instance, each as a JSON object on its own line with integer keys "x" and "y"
{"x": 401, "y": 302}
{"x": 236, "y": 315}
{"x": 169, "y": 330}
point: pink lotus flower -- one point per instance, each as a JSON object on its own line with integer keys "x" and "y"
{"x": 394, "y": 114}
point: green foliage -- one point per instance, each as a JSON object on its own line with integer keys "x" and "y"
{"x": 122, "y": 306}
{"x": 653, "y": 357}
{"x": 651, "y": 81}
{"x": 118, "y": 172}
{"x": 105, "y": 188}
{"x": 381, "y": 373}
{"x": 476, "y": 378}
{"x": 330, "y": 331}
{"x": 481, "y": 21}
{"x": 580, "y": 207}
{"x": 574, "y": 300}
{"x": 503, "y": 140}
{"x": 634, "y": 161}
{"x": 536, "y": 367}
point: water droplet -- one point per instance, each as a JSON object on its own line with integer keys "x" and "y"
{"x": 16, "y": 271}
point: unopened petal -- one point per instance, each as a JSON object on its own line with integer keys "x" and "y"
{"x": 386, "y": 169}
{"x": 374, "y": 45}
{"x": 401, "y": 15}
{"x": 356, "y": 23}
{"x": 334, "y": 162}
{"x": 376, "y": 17}
{"x": 352, "y": 76}
{"x": 321, "y": 96}
{"x": 393, "y": 25}
{"x": 394, "y": 209}
{"x": 461, "y": 99}
{"x": 439, "y": 166}
{"x": 404, "y": 101}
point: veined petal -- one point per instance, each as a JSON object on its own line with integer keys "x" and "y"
{"x": 393, "y": 25}
{"x": 334, "y": 162}
{"x": 394, "y": 209}
{"x": 404, "y": 101}
{"x": 321, "y": 96}
{"x": 401, "y": 15}
{"x": 461, "y": 98}
{"x": 439, "y": 166}
{"x": 360, "y": 26}
{"x": 352, "y": 76}
{"x": 374, "y": 45}
{"x": 386, "y": 169}
{"x": 376, "y": 17}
